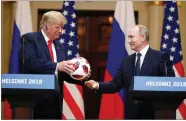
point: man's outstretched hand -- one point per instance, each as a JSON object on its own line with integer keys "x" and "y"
{"x": 91, "y": 84}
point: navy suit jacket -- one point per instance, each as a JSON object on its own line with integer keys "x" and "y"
{"x": 153, "y": 65}
{"x": 35, "y": 58}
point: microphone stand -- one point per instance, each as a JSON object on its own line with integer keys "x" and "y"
{"x": 23, "y": 55}
{"x": 166, "y": 69}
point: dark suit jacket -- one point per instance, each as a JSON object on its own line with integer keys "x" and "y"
{"x": 35, "y": 59}
{"x": 153, "y": 65}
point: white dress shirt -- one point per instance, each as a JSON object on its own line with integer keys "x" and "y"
{"x": 53, "y": 49}
{"x": 143, "y": 53}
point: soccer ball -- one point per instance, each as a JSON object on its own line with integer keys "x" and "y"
{"x": 82, "y": 68}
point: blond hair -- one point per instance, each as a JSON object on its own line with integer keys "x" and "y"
{"x": 143, "y": 31}
{"x": 52, "y": 17}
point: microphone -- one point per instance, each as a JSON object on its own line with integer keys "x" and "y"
{"x": 23, "y": 54}
{"x": 165, "y": 65}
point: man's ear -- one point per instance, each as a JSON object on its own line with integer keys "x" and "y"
{"x": 46, "y": 27}
{"x": 143, "y": 37}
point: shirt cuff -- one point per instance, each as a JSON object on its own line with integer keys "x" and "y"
{"x": 56, "y": 71}
{"x": 97, "y": 86}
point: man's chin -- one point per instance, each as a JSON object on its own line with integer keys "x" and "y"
{"x": 57, "y": 37}
{"x": 132, "y": 48}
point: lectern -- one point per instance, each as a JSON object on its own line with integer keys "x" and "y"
{"x": 26, "y": 90}
{"x": 163, "y": 93}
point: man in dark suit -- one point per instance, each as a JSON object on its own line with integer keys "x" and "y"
{"x": 145, "y": 62}
{"x": 41, "y": 54}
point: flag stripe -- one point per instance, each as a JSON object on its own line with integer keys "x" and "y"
{"x": 124, "y": 15}
{"x": 75, "y": 92}
{"x": 114, "y": 112}
{"x": 117, "y": 48}
{"x": 63, "y": 117}
{"x": 72, "y": 104}
{"x": 23, "y": 17}
{"x": 14, "y": 60}
{"x": 119, "y": 103}
{"x": 107, "y": 76}
{"x": 175, "y": 71}
{"x": 81, "y": 91}
{"x": 182, "y": 110}
{"x": 178, "y": 115}
{"x": 68, "y": 112}
{"x": 179, "y": 67}
{"x": 7, "y": 111}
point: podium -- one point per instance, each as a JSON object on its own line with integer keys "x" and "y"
{"x": 165, "y": 94}
{"x": 26, "y": 90}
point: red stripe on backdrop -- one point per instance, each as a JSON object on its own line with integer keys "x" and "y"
{"x": 107, "y": 77}
{"x": 80, "y": 89}
{"x": 180, "y": 69}
{"x": 119, "y": 107}
{"x": 7, "y": 110}
{"x": 63, "y": 117}
{"x": 110, "y": 111}
{"x": 182, "y": 109}
{"x": 111, "y": 103}
{"x": 72, "y": 104}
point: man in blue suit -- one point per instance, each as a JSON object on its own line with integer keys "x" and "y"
{"x": 41, "y": 54}
{"x": 145, "y": 62}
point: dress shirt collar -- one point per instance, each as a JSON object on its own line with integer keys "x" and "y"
{"x": 45, "y": 36}
{"x": 144, "y": 51}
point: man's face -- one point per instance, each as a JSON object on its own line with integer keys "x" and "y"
{"x": 135, "y": 39}
{"x": 54, "y": 31}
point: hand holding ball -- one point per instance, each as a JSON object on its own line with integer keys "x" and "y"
{"x": 82, "y": 68}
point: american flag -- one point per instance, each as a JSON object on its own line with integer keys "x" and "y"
{"x": 73, "y": 105}
{"x": 171, "y": 43}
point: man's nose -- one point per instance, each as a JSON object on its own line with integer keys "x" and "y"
{"x": 129, "y": 40}
{"x": 60, "y": 30}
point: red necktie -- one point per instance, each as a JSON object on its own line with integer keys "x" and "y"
{"x": 50, "y": 49}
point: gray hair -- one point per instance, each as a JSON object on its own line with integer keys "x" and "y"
{"x": 52, "y": 17}
{"x": 143, "y": 31}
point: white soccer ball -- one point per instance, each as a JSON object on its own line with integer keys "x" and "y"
{"x": 82, "y": 68}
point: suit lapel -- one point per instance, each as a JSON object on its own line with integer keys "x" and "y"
{"x": 133, "y": 63}
{"x": 145, "y": 66}
{"x": 43, "y": 44}
{"x": 130, "y": 67}
{"x": 60, "y": 51}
